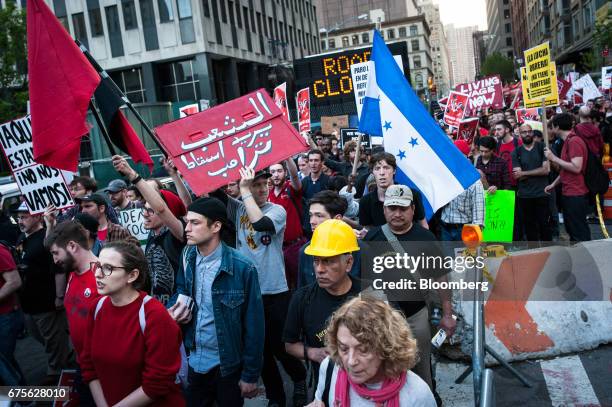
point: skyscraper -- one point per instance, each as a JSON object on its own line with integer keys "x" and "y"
{"x": 337, "y": 14}
{"x": 499, "y": 22}
{"x": 461, "y": 51}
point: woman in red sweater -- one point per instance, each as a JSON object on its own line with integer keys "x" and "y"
{"x": 132, "y": 347}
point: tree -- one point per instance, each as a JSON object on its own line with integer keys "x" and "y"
{"x": 497, "y": 64}
{"x": 13, "y": 63}
{"x": 602, "y": 39}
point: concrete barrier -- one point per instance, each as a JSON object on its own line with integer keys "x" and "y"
{"x": 543, "y": 302}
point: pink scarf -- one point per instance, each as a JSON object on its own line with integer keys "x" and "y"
{"x": 387, "y": 395}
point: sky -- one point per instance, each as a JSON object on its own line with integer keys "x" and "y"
{"x": 463, "y": 13}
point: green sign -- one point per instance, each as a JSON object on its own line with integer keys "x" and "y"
{"x": 499, "y": 216}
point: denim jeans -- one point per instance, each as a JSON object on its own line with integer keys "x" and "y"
{"x": 11, "y": 324}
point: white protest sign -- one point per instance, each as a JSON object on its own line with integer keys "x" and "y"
{"x": 133, "y": 221}
{"x": 40, "y": 185}
{"x": 589, "y": 89}
{"x": 359, "y": 75}
{"x": 606, "y": 77}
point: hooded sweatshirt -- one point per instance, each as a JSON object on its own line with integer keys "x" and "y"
{"x": 591, "y": 136}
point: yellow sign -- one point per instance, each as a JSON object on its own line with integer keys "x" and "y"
{"x": 537, "y": 62}
{"x": 530, "y": 102}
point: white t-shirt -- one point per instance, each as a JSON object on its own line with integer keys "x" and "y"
{"x": 415, "y": 393}
{"x": 263, "y": 248}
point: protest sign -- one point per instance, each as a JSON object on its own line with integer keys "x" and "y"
{"x": 347, "y": 135}
{"x": 68, "y": 379}
{"x": 303, "y": 108}
{"x": 589, "y": 89}
{"x": 41, "y": 185}
{"x": 552, "y": 100}
{"x": 455, "y": 108}
{"x": 606, "y": 77}
{"x": 359, "y": 75}
{"x": 499, "y": 216}
{"x": 538, "y": 68}
{"x": 467, "y": 129}
{"x": 204, "y": 104}
{"x": 210, "y": 147}
{"x": 133, "y": 221}
{"x": 563, "y": 87}
{"x": 188, "y": 110}
{"x": 329, "y": 124}
{"x": 280, "y": 98}
{"x": 483, "y": 93}
{"x": 528, "y": 114}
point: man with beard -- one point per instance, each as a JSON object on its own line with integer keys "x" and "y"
{"x": 530, "y": 167}
{"x": 68, "y": 245}
{"x": 288, "y": 194}
{"x": 108, "y": 231}
{"x": 117, "y": 191}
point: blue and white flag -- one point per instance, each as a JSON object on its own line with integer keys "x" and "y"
{"x": 426, "y": 158}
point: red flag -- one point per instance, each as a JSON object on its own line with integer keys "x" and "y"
{"x": 61, "y": 85}
{"x": 119, "y": 128}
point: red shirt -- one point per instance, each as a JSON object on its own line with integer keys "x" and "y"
{"x": 573, "y": 184}
{"x": 7, "y": 264}
{"x": 102, "y": 234}
{"x": 505, "y": 152}
{"x": 293, "y": 229}
{"x": 125, "y": 359}
{"x": 81, "y": 293}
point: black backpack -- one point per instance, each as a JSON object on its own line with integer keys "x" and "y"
{"x": 595, "y": 175}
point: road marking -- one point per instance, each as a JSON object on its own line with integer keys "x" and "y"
{"x": 568, "y": 383}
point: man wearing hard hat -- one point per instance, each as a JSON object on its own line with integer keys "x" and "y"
{"x": 331, "y": 248}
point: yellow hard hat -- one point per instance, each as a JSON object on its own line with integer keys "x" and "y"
{"x": 331, "y": 238}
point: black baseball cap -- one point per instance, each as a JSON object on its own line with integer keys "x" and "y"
{"x": 96, "y": 197}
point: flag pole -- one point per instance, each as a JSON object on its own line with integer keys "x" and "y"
{"x": 103, "y": 129}
{"x": 105, "y": 75}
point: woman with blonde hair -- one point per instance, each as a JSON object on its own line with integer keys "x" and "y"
{"x": 371, "y": 351}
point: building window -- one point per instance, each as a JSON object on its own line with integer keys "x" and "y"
{"x": 390, "y": 33}
{"x": 355, "y": 39}
{"x": 149, "y": 27}
{"x": 129, "y": 14}
{"x": 245, "y": 14}
{"x": 509, "y": 41}
{"x": 130, "y": 82}
{"x": 508, "y": 28}
{"x": 587, "y": 15}
{"x": 416, "y": 60}
{"x": 185, "y": 21}
{"x": 206, "y": 8}
{"x": 178, "y": 83}
{"x": 418, "y": 80}
{"x": 506, "y": 13}
{"x": 345, "y": 42}
{"x": 95, "y": 18}
{"x": 238, "y": 15}
{"x": 323, "y": 45}
{"x": 414, "y": 30}
{"x": 402, "y": 32}
{"x": 332, "y": 43}
{"x": 60, "y": 12}
{"x": 510, "y": 55}
{"x": 365, "y": 38}
{"x": 223, "y": 12}
{"x": 415, "y": 45}
{"x": 80, "y": 32}
{"x": 114, "y": 31}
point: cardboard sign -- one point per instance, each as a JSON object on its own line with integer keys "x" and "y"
{"x": 210, "y": 147}
{"x": 303, "y": 109}
{"x": 606, "y": 77}
{"x": 487, "y": 92}
{"x": 455, "y": 108}
{"x": 133, "y": 221}
{"x": 530, "y": 102}
{"x": 538, "y": 67}
{"x": 329, "y": 124}
{"x": 499, "y": 216}
{"x": 534, "y": 114}
{"x": 347, "y": 135}
{"x": 67, "y": 379}
{"x": 188, "y": 110}
{"x": 467, "y": 129}
{"x": 359, "y": 75}
{"x": 40, "y": 185}
{"x": 589, "y": 89}
{"x": 280, "y": 98}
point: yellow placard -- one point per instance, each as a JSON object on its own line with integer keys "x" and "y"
{"x": 551, "y": 100}
{"x": 538, "y": 66}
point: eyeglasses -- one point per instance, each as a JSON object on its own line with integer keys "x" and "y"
{"x": 107, "y": 269}
{"x": 148, "y": 211}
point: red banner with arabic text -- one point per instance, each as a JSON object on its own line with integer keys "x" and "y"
{"x": 303, "y": 109}
{"x": 455, "y": 108}
{"x": 280, "y": 98}
{"x": 209, "y": 147}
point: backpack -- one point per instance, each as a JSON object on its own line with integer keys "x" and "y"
{"x": 595, "y": 175}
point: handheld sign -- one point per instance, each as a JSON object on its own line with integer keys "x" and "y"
{"x": 486, "y": 92}
{"x": 455, "y": 108}
{"x": 499, "y": 216}
{"x": 534, "y": 114}
{"x": 280, "y": 98}
{"x": 133, "y": 221}
{"x": 552, "y": 100}
{"x": 347, "y": 135}
{"x": 467, "y": 129}
{"x": 538, "y": 67}
{"x": 40, "y": 185}
{"x": 359, "y": 75}
{"x": 210, "y": 147}
{"x": 303, "y": 109}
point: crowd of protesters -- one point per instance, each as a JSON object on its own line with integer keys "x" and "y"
{"x": 264, "y": 274}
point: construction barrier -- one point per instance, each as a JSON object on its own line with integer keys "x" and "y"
{"x": 542, "y": 302}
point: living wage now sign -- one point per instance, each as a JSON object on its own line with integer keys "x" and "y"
{"x": 40, "y": 185}
{"x": 538, "y": 66}
{"x": 210, "y": 147}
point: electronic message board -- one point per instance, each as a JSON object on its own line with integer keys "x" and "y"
{"x": 329, "y": 78}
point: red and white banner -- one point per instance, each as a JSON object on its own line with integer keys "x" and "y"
{"x": 487, "y": 92}
{"x": 280, "y": 98}
{"x": 467, "y": 129}
{"x": 533, "y": 114}
{"x": 455, "y": 108}
{"x": 210, "y": 147}
{"x": 563, "y": 86}
{"x": 302, "y": 101}
{"x": 188, "y": 110}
